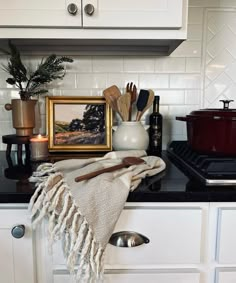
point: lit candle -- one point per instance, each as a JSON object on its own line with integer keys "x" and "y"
{"x": 39, "y": 147}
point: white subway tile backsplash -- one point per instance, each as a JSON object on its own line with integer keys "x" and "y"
{"x": 192, "y": 97}
{"x": 7, "y": 94}
{"x": 169, "y": 65}
{"x": 174, "y": 110}
{"x": 121, "y": 80}
{"x": 7, "y": 128}
{"x": 195, "y": 15}
{"x": 107, "y": 64}
{"x": 76, "y": 92}
{"x": 91, "y": 81}
{"x": 171, "y": 96}
{"x": 4, "y": 114}
{"x": 194, "y": 32}
{"x": 217, "y": 87}
{"x": 80, "y": 64}
{"x": 185, "y": 81}
{"x": 231, "y": 71}
{"x": 193, "y": 65}
{"x": 188, "y": 49}
{"x": 227, "y": 3}
{"x": 3, "y": 83}
{"x": 153, "y": 81}
{"x": 204, "y": 3}
{"x": 139, "y": 64}
{"x": 69, "y": 81}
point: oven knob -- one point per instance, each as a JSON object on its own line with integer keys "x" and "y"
{"x": 18, "y": 231}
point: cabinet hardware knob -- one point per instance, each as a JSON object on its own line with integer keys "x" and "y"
{"x": 72, "y": 9}
{"x": 89, "y": 9}
{"x": 128, "y": 239}
{"x": 18, "y": 231}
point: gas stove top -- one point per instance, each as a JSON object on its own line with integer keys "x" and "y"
{"x": 210, "y": 170}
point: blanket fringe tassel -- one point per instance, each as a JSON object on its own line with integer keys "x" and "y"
{"x": 52, "y": 199}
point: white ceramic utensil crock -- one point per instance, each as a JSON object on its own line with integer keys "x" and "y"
{"x": 130, "y": 135}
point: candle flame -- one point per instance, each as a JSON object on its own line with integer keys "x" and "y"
{"x": 39, "y": 136}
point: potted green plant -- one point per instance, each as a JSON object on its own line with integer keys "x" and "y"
{"x": 31, "y": 84}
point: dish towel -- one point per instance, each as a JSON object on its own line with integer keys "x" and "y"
{"x": 83, "y": 214}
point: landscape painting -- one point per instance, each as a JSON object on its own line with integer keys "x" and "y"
{"x": 79, "y": 124}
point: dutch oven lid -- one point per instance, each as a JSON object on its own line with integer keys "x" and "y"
{"x": 225, "y": 112}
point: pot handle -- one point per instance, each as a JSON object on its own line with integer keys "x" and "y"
{"x": 185, "y": 119}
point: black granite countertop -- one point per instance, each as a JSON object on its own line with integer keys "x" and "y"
{"x": 171, "y": 185}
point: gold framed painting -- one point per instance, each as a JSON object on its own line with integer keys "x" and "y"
{"x": 78, "y": 124}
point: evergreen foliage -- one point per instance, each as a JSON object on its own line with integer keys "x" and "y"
{"x": 33, "y": 83}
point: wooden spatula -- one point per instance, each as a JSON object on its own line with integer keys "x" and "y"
{"x": 111, "y": 95}
{"x": 123, "y": 104}
{"x": 149, "y": 102}
{"x": 141, "y": 102}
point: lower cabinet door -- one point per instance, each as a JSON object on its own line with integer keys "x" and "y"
{"x": 140, "y": 277}
{"x": 226, "y": 275}
{"x": 226, "y": 244}
{"x": 16, "y": 254}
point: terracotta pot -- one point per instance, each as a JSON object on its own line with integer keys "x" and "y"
{"x": 23, "y": 116}
{"x": 212, "y": 131}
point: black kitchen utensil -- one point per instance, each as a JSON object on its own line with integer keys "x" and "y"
{"x": 141, "y": 102}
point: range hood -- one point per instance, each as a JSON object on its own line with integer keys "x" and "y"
{"x": 160, "y": 47}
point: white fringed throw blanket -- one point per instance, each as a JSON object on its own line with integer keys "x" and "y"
{"x": 84, "y": 214}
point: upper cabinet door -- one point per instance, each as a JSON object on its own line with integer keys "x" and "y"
{"x": 133, "y": 14}
{"x": 42, "y": 13}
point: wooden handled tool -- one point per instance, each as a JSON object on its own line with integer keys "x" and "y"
{"x": 123, "y": 104}
{"x": 149, "y": 102}
{"x": 126, "y": 162}
{"x": 141, "y": 102}
{"x": 130, "y": 88}
{"x": 111, "y": 95}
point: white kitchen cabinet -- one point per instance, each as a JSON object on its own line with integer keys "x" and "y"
{"x": 16, "y": 256}
{"x": 226, "y": 275}
{"x": 43, "y": 13}
{"x": 105, "y": 13}
{"x": 113, "y": 27}
{"x": 176, "y": 234}
{"x": 172, "y": 276}
{"x": 189, "y": 243}
{"x": 134, "y": 14}
{"x": 226, "y": 240}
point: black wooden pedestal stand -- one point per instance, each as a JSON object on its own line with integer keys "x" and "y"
{"x": 19, "y": 141}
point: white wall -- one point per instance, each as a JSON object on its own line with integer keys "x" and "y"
{"x": 181, "y": 79}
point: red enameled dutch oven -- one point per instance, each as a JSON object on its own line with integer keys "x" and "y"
{"x": 212, "y": 131}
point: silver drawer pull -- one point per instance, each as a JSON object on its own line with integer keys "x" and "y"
{"x": 128, "y": 239}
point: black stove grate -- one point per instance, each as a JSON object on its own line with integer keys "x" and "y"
{"x": 212, "y": 170}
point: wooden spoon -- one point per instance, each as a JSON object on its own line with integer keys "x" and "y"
{"x": 123, "y": 104}
{"x": 126, "y": 162}
{"x": 149, "y": 102}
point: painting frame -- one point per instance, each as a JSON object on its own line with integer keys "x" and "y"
{"x": 61, "y": 138}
